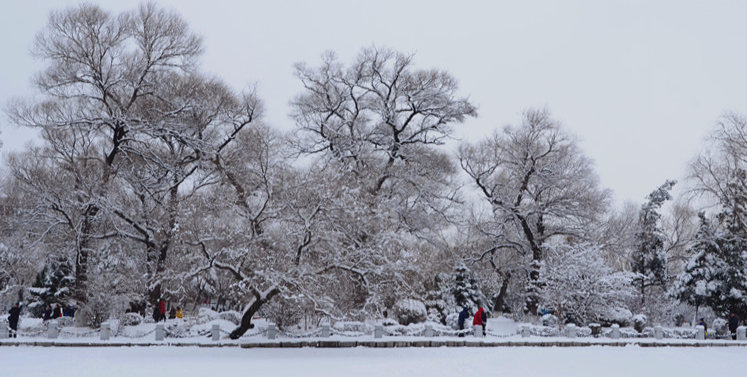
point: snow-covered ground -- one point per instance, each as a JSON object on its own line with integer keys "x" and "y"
{"x": 185, "y": 358}
{"x": 24, "y": 361}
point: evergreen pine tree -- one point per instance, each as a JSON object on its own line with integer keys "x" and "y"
{"x": 53, "y": 284}
{"x": 691, "y": 286}
{"x": 649, "y": 259}
{"x": 716, "y": 275}
{"x": 467, "y": 291}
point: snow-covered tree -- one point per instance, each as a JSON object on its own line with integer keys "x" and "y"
{"x": 692, "y": 285}
{"x": 649, "y": 258}
{"x": 52, "y": 285}
{"x": 467, "y": 290}
{"x": 719, "y": 179}
{"x": 716, "y": 276}
{"x": 125, "y": 85}
{"x": 580, "y": 285}
{"x": 539, "y": 185}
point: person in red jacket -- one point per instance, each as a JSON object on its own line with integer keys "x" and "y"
{"x": 162, "y": 309}
{"x": 480, "y": 319}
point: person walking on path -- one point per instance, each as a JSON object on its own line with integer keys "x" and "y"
{"x": 733, "y": 325}
{"x": 14, "y": 312}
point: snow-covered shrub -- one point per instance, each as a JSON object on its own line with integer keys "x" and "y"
{"x": 388, "y": 322}
{"x": 720, "y": 327}
{"x": 580, "y": 284}
{"x": 178, "y": 328}
{"x": 231, "y": 316}
{"x": 283, "y": 312}
{"x": 619, "y": 316}
{"x": 131, "y": 319}
{"x": 542, "y": 331}
{"x": 409, "y": 311}
{"x": 639, "y": 322}
{"x": 452, "y": 321}
{"x": 96, "y": 311}
{"x": 549, "y": 320}
{"x": 205, "y": 315}
{"x": 358, "y": 327}
{"x": 65, "y": 321}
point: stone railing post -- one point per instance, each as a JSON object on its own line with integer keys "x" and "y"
{"x": 525, "y": 332}
{"x": 615, "y": 334}
{"x": 658, "y": 333}
{"x": 52, "y": 331}
{"x": 378, "y": 331}
{"x": 160, "y": 331}
{"x": 105, "y": 331}
{"x": 478, "y": 331}
{"x": 4, "y": 330}
{"x": 215, "y": 332}
{"x": 571, "y": 330}
{"x": 271, "y": 331}
{"x": 428, "y": 331}
{"x": 325, "y": 330}
{"x": 700, "y": 335}
{"x": 741, "y": 333}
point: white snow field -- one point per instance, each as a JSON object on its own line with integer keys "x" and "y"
{"x": 28, "y": 361}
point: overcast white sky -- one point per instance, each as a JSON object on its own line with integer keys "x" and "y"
{"x": 639, "y": 82}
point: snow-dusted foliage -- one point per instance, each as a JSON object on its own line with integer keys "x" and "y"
{"x": 52, "y": 285}
{"x": 538, "y": 184}
{"x": 716, "y": 275}
{"x": 649, "y": 258}
{"x": 467, "y": 290}
{"x": 582, "y": 288}
{"x": 408, "y": 311}
{"x": 154, "y": 180}
{"x": 639, "y": 322}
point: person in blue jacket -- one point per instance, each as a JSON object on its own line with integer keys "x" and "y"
{"x": 733, "y": 325}
{"x": 463, "y": 315}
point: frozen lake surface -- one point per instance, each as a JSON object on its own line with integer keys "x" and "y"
{"x": 26, "y": 361}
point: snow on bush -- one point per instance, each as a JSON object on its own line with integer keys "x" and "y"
{"x": 452, "y": 321}
{"x": 549, "y": 320}
{"x": 581, "y": 285}
{"x": 720, "y": 327}
{"x": 409, "y": 311}
{"x": 131, "y": 319}
{"x": 231, "y": 316}
{"x": 206, "y": 315}
{"x": 387, "y": 322}
{"x": 639, "y": 322}
{"x": 355, "y": 327}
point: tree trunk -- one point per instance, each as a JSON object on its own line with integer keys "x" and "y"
{"x": 246, "y": 319}
{"x": 500, "y": 299}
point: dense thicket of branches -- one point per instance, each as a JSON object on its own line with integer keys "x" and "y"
{"x": 155, "y": 180}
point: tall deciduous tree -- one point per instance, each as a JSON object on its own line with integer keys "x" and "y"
{"x": 373, "y": 128}
{"x": 539, "y": 185}
{"x": 129, "y": 122}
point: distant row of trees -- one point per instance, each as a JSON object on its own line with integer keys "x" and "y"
{"x": 153, "y": 179}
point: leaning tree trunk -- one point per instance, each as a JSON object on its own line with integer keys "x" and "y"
{"x": 246, "y": 320}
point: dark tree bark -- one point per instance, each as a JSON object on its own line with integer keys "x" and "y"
{"x": 246, "y": 320}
